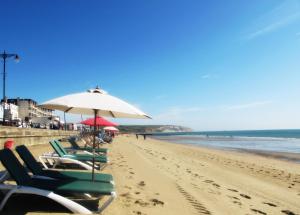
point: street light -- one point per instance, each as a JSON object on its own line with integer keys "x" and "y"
{"x": 5, "y": 56}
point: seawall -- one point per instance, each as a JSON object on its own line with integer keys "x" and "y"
{"x": 31, "y": 136}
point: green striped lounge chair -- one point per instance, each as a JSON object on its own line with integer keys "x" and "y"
{"x": 37, "y": 169}
{"x": 61, "y": 156}
{"x": 58, "y": 190}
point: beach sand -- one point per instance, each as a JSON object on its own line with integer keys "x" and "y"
{"x": 156, "y": 177}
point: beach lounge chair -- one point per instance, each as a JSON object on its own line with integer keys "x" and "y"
{"x": 61, "y": 156}
{"x": 56, "y": 190}
{"x": 75, "y": 146}
{"x": 88, "y": 140}
{"x": 101, "y": 158}
{"x": 37, "y": 170}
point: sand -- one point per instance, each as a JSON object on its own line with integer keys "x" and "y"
{"x": 156, "y": 177}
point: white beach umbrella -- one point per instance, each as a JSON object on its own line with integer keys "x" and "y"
{"x": 111, "y": 128}
{"x": 95, "y": 102}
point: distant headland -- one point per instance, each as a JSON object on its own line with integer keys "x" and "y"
{"x": 153, "y": 128}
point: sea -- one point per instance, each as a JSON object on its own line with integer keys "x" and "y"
{"x": 287, "y": 141}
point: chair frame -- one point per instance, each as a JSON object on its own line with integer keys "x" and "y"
{"x": 54, "y": 159}
{"x": 67, "y": 203}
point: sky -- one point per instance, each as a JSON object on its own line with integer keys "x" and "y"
{"x": 207, "y": 65}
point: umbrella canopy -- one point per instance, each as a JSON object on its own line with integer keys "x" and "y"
{"x": 95, "y": 99}
{"x": 110, "y": 128}
{"x": 99, "y": 122}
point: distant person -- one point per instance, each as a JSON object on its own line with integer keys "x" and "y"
{"x": 137, "y": 136}
{"x": 144, "y": 136}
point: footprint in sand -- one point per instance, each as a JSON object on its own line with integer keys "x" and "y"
{"x": 188, "y": 170}
{"x": 258, "y": 211}
{"x": 216, "y": 185}
{"x": 142, "y": 184}
{"x": 288, "y": 212}
{"x": 125, "y": 194}
{"x": 245, "y": 196}
{"x": 141, "y": 203}
{"x": 126, "y": 198}
{"x": 237, "y": 202}
{"x": 270, "y": 204}
{"x": 139, "y": 213}
{"x": 233, "y": 190}
{"x": 234, "y": 197}
{"x": 156, "y": 202}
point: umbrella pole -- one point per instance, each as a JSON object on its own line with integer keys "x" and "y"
{"x": 65, "y": 125}
{"x": 94, "y": 145}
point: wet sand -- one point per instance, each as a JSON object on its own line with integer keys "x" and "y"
{"x": 288, "y": 156}
{"x": 156, "y": 177}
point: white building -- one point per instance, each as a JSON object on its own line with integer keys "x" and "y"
{"x": 11, "y": 112}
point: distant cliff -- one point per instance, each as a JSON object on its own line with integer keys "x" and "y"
{"x": 152, "y": 128}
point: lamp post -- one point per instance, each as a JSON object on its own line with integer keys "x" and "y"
{"x": 5, "y": 56}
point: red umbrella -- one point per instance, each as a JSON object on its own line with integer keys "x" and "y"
{"x": 99, "y": 122}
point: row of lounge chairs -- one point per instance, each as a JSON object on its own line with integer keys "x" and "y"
{"x": 61, "y": 186}
{"x": 61, "y": 155}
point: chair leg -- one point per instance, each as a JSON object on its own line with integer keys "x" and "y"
{"x": 108, "y": 202}
{"x": 102, "y": 167}
{"x": 41, "y": 159}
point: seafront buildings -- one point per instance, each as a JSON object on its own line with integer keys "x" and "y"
{"x": 22, "y": 110}
{"x": 29, "y": 108}
{"x": 26, "y": 113}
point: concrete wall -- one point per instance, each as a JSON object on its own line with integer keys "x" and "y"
{"x": 31, "y": 136}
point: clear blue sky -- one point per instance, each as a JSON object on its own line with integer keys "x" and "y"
{"x": 209, "y": 65}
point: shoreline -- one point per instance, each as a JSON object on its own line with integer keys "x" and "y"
{"x": 286, "y": 156}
